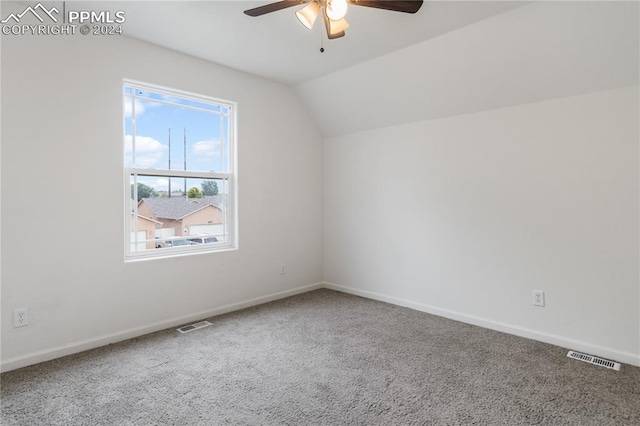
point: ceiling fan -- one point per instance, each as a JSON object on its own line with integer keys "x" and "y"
{"x": 333, "y": 11}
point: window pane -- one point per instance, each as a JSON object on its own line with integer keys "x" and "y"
{"x": 176, "y": 134}
{"x": 166, "y": 133}
{"x": 224, "y": 144}
{"x": 128, "y": 128}
{"x": 164, "y": 218}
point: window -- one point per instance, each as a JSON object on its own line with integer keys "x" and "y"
{"x": 179, "y": 172}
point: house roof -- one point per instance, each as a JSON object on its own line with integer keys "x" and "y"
{"x": 179, "y": 207}
{"x": 147, "y": 218}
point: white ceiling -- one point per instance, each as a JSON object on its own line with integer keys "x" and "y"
{"x": 544, "y": 50}
{"x": 276, "y": 45}
{"x": 452, "y": 57}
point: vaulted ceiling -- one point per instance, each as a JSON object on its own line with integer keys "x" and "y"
{"x": 452, "y": 57}
{"x": 276, "y": 45}
{"x": 542, "y": 51}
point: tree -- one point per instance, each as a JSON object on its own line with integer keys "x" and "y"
{"x": 144, "y": 191}
{"x": 209, "y": 187}
{"x": 194, "y": 193}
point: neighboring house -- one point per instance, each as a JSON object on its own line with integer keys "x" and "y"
{"x": 187, "y": 216}
{"x": 146, "y": 230}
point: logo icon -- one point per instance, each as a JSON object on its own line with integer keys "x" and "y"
{"x": 34, "y": 11}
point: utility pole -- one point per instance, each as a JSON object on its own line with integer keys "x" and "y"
{"x": 169, "y": 162}
{"x": 185, "y": 160}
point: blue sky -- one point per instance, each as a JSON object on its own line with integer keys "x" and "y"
{"x": 206, "y": 136}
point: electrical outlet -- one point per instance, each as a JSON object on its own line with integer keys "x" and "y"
{"x": 21, "y": 317}
{"x": 538, "y": 298}
{"x": 283, "y": 269}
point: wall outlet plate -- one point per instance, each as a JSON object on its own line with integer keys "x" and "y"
{"x": 20, "y": 317}
{"x": 538, "y": 298}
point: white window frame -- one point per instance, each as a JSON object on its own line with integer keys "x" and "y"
{"x": 229, "y": 178}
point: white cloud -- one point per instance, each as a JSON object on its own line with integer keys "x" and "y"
{"x": 128, "y": 107}
{"x": 160, "y": 184}
{"x": 149, "y": 152}
{"x": 206, "y": 150}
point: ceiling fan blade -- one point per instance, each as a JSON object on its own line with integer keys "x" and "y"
{"x": 273, "y": 7}
{"x": 408, "y": 6}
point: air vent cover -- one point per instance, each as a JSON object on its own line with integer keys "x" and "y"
{"x": 594, "y": 360}
{"x": 193, "y": 327}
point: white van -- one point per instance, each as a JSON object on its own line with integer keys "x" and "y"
{"x": 202, "y": 239}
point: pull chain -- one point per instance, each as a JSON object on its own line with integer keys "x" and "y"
{"x": 321, "y": 40}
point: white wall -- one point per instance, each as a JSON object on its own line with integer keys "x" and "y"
{"x": 465, "y": 216}
{"x": 62, "y": 174}
{"x": 461, "y": 216}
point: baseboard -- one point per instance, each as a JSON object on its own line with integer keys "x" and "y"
{"x": 613, "y": 354}
{"x": 72, "y": 348}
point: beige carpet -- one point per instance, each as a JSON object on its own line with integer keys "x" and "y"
{"x": 323, "y": 358}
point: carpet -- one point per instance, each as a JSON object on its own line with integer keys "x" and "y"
{"x": 323, "y": 358}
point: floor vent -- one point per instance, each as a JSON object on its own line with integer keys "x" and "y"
{"x": 192, "y": 327}
{"x": 594, "y": 360}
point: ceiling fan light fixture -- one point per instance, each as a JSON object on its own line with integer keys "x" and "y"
{"x": 308, "y": 14}
{"x": 333, "y": 11}
{"x": 336, "y": 9}
{"x": 335, "y": 29}
{"x": 338, "y": 26}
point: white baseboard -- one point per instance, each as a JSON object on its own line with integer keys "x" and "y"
{"x": 564, "y": 342}
{"x": 80, "y": 346}
{"x": 83, "y": 345}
